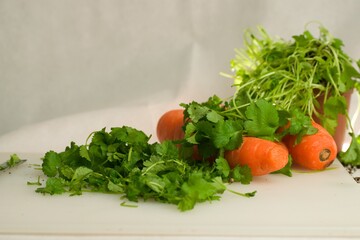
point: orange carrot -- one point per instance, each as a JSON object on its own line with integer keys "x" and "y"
{"x": 170, "y": 125}
{"x": 261, "y": 156}
{"x": 315, "y": 152}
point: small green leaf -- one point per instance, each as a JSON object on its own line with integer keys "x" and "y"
{"x": 155, "y": 182}
{"x": 241, "y": 174}
{"x": 197, "y": 189}
{"x": 197, "y": 112}
{"x": 81, "y": 173}
{"x": 51, "y": 163}
{"x": 334, "y": 106}
{"x": 352, "y": 154}
{"x": 84, "y": 153}
{"x": 117, "y": 188}
{"x": 222, "y": 166}
{"x": 53, "y": 185}
{"x": 214, "y": 117}
{"x": 263, "y": 119}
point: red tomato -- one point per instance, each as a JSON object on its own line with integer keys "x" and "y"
{"x": 170, "y": 124}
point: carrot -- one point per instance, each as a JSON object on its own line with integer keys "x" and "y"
{"x": 169, "y": 126}
{"x": 315, "y": 152}
{"x": 261, "y": 156}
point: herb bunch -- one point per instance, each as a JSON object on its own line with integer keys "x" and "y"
{"x": 298, "y": 74}
{"x": 122, "y": 161}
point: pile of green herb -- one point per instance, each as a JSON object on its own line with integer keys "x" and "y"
{"x": 298, "y": 74}
{"x": 122, "y": 161}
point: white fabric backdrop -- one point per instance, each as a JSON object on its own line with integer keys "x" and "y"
{"x": 71, "y": 67}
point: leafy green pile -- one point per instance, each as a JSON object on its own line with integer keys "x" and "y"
{"x": 308, "y": 73}
{"x": 122, "y": 161}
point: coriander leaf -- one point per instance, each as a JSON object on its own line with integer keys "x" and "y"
{"x": 155, "y": 165}
{"x": 284, "y": 117}
{"x": 214, "y": 117}
{"x": 335, "y": 105}
{"x": 131, "y": 136}
{"x": 53, "y": 186}
{"x": 167, "y": 149}
{"x": 197, "y": 112}
{"x": 228, "y": 134}
{"x": 223, "y": 134}
{"x": 330, "y": 125}
{"x": 190, "y": 129}
{"x": 352, "y": 154}
{"x": 117, "y": 188}
{"x": 187, "y": 203}
{"x": 299, "y": 122}
{"x": 241, "y": 174}
{"x": 197, "y": 189}
{"x": 155, "y": 182}
{"x": 263, "y": 119}
{"x": 71, "y": 156}
{"x": 51, "y": 163}
{"x": 84, "y": 153}
{"x": 349, "y": 72}
{"x": 192, "y": 139}
{"x": 300, "y": 125}
{"x": 67, "y": 172}
{"x": 81, "y": 173}
{"x": 222, "y": 166}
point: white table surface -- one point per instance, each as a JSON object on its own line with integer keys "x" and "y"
{"x": 308, "y": 205}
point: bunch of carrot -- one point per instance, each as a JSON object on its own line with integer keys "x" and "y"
{"x": 315, "y": 152}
